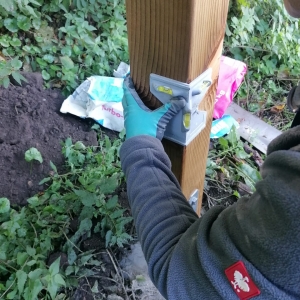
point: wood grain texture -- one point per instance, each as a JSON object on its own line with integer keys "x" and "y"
{"x": 172, "y": 38}
{"x": 178, "y": 39}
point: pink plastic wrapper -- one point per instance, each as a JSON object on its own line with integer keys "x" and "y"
{"x": 232, "y": 73}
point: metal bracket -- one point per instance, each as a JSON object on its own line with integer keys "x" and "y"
{"x": 193, "y": 201}
{"x": 185, "y": 126}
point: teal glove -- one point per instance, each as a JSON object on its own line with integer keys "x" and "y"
{"x": 140, "y": 120}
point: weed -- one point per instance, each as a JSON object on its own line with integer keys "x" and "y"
{"x": 86, "y": 193}
{"x": 67, "y": 41}
{"x": 266, "y": 38}
{"x": 228, "y": 164}
{"x": 31, "y": 155}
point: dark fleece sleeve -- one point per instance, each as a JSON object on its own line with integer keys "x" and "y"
{"x": 188, "y": 256}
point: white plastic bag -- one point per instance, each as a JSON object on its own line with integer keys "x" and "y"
{"x": 99, "y": 98}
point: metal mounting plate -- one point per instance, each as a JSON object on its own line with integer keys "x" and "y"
{"x": 193, "y": 201}
{"x": 164, "y": 89}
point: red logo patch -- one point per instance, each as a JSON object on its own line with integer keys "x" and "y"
{"x": 241, "y": 282}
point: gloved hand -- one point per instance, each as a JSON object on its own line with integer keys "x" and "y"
{"x": 140, "y": 120}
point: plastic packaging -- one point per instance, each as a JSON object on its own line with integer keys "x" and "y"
{"x": 99, "y": 98}
{"x": 122, "y": 70}
{"x": 232, "y": 73}
{"x": 222, "y": 126}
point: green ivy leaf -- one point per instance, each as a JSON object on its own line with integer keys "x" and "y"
{"x": 107, "y": 142}
{"x": 71, "y": 256}
{"x": 45, "y": 75}
{"x": 87, "y": 198}
{"x": 95, "y": 127}
{"x": 76, "y": 50}
{"x": 49, "y": 58}
{"x": 122, "y": 134}
{"x": 240, "y": 153}
{"x": 5, "y": 71}
{"x": 108, "y": 238}
{"x": 66, "y": 51}
{"x": 22, "y": 232}
{"x": 5, "y": 82}
{"x": 36, "y": 23}
{"x": 16, "y": 63}
{"x": 88, "y": 60}
{"x": 54, "y": 268}
{"x": 116, "y": 214}
{"x": 30, "y": 11}
{"x": 236, "y": 194}
{"x": 44, "y": 180}
{"x": 39, "y": 39}
{"x": 85, "y": 226}
{"x": 35, "y": 2}
{"x": 34, "y": 201}
{"x": 28, "y": 49}
{"x": 18, "y": 77}
{"x": 52, "y": 289}
{"x": 21, "y": 258}
{"x": 12, "y": 294}
{"x": 59, "y": 280}
{"x": 36, "y": 274}
{"x": 30, "y": 251}
{"x": 67, "y": 62}
{"x": 41, "y": 62}
{"x": 79, "y": 146}
{"x": 15, "y": 42}
{"x": 53, "y": 167}
{"x": 23, "y": 23}
{"x": 233, "y": 137}
{"x": 112, "y": 202}
{"x": 250, "y": 175}
{"x": 4, "y": 205}
{"x": 55, "y": 68}
{"x": 224, "y": 143}
{"x": 4, "y": 43}
{"x": 33, "y": 154}
{"x": 68, "y": 142}
{"x": 109, "y": 185}
{"x": 37, "y": 287}
{"x": 21, "y": 280}
{"x": 11, "y": 25}
{"x": 7, "y": 5}
{"x": 86, "y": 212}
{"x": 69, "y": 270}
{"x": 8, "y": 51}
{"x": 85, "y": 258}
{"x": 31, "y": 263}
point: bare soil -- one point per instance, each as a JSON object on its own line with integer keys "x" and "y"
{"x": 30, "y": 117}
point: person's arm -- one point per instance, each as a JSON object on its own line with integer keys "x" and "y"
{"x": 161, "y": 212}
{"x": 188, "y": 256}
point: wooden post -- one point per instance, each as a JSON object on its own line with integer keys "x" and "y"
{"x": 178, "y": 39}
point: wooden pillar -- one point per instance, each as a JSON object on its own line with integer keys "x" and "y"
{"x": 178, "y": 39}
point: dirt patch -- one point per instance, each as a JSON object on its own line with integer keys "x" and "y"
{"x": 30, "y": 117}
